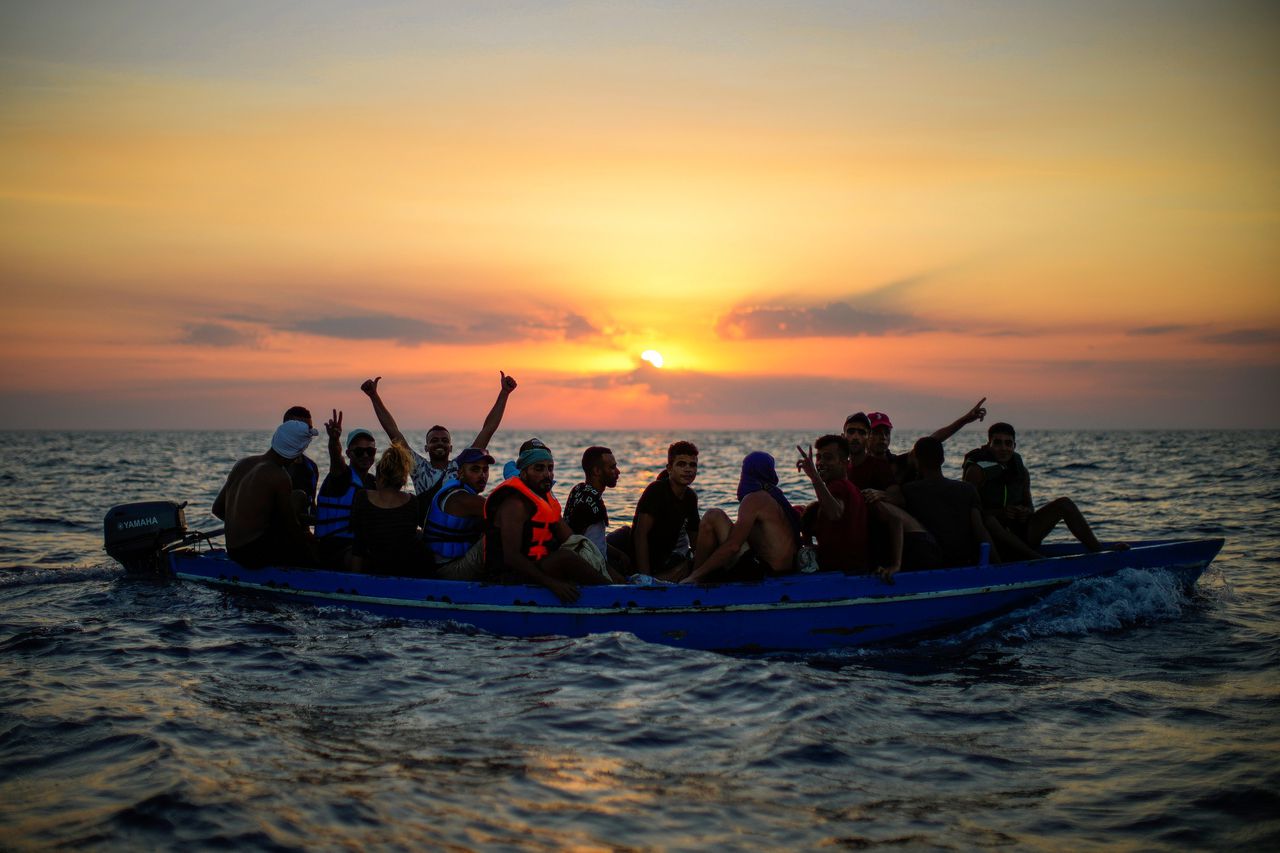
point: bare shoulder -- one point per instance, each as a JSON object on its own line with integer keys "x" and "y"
{"x": 758, "y": 504}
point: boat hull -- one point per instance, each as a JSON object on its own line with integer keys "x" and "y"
{"x": 793, "y": 613}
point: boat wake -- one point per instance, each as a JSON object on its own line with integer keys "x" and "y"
{"x": 12, "y": 577}
{"x": 1091, "y": 605}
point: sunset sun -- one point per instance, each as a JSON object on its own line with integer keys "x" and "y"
{"x": 652, "y": 356}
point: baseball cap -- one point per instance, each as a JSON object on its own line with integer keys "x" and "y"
{"x": 359, "y": 432}
{"x": 879, "y": 419}
{"x": 474, "y": 454}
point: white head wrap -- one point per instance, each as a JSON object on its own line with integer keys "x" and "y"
{"x": 292, "y": 438}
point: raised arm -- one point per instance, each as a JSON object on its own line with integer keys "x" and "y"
{"x": 977, "y": 413}
{"x": 494, "y": 419}
{"x": 370, "y": 387}
{"x": 333, "y": 427}
{"x": 830, "y": 507}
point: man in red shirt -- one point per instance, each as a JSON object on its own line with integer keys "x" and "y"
{"x": 839, "y": 518}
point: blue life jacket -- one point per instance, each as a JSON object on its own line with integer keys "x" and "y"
{"x": 333, "y": 514}
{"x": 450, "y": 536}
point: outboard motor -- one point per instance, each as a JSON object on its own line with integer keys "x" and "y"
{"x": 136, "y": 535}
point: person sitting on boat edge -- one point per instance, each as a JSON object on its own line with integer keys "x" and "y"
{"x": 384, "y": 522}
{"x": 303, "y": 471}
{"x": 949, "y": 509}
{"x": 838, "y": 519}
{"x": 257, "y": 504}
{"x": 454, "y": 529}
{"x": 762, "y": 542}
{"x": 333, "y": 503}
{"x": 523, "y": 530}
{"x": 430, "y": 471}
{"x": 1004, "y": 485}
{"x": 666, "y": 519}
{"x": 585, "y": 510}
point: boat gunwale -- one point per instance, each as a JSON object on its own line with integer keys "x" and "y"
{"x": 922, "y": 586}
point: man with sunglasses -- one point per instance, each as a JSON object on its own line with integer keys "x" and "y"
{"x": 334, "y": 537}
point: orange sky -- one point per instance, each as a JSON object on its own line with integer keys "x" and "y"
{"x": 211, "y": 211}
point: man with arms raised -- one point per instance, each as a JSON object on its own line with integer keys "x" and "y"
{"x": 767, "y": 525}
{"x": 1004, "y": 484}
{"x": 839, "y": 518}
{"x": 430, "y": 471}
{"x": 454, "y": 528}
{"x": 666, "y": 518}
{"x": 257, "y": 505}
{"x": 949, "y": 509}
{"x": 523, "y": 529}
{"x": 585, "y": 510}
{"x": 333, "y": 505}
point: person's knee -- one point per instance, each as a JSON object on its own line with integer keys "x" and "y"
{"x": 715, "y": 515}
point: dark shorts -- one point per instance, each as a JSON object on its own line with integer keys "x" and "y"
{"x": 272, "y": 548}
{"x": 920, "y": 552}
{"x": 748, "y": 568}
{"x": 622, "y": 540}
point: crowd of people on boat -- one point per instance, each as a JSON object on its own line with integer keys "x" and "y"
{"x": 870, "y": 511}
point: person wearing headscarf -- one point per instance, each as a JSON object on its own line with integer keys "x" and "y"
{"x": 259, "y": 507}
{"x": 764, "y": 539}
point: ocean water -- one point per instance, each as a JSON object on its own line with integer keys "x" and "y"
{"x": 1115, "y": 713}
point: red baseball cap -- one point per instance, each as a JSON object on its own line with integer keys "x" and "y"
{"x": 879, "y": 419}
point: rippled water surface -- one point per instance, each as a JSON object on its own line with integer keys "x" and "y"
{"x": 1119, "y": 712}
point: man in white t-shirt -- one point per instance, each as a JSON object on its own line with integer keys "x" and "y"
{"x": 438, "y": 465}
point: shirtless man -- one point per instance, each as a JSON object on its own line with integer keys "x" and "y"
{"x": 524, "y": 529}
{"x": 431, "y": 471}
{"x": 766, "y": 523}
{"x": 1004, "y": 484}
{"x": 257, "y": 505}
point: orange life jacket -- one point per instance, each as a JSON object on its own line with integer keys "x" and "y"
{"x": 536, "y": 539}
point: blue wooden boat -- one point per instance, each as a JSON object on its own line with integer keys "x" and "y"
{"x": 801, "y": 612}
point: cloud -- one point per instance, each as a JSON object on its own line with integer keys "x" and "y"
{"x": 577, "y": 327}
{"x": 1155, "y": 331}
{"x": 873, "y": 312}
{"x": 1245, "y": 337}
{"x": 483, "y": 328}
{"x": 406, "y": 331}
{"x": 835, "y": 319}
{"x": 217, "y": 335}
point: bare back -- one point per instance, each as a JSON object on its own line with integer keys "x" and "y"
{"x": 255, "y": 498}
{"x": 771, "y": 536}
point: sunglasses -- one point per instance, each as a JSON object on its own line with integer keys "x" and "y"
{"x": 363, "y": 451}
